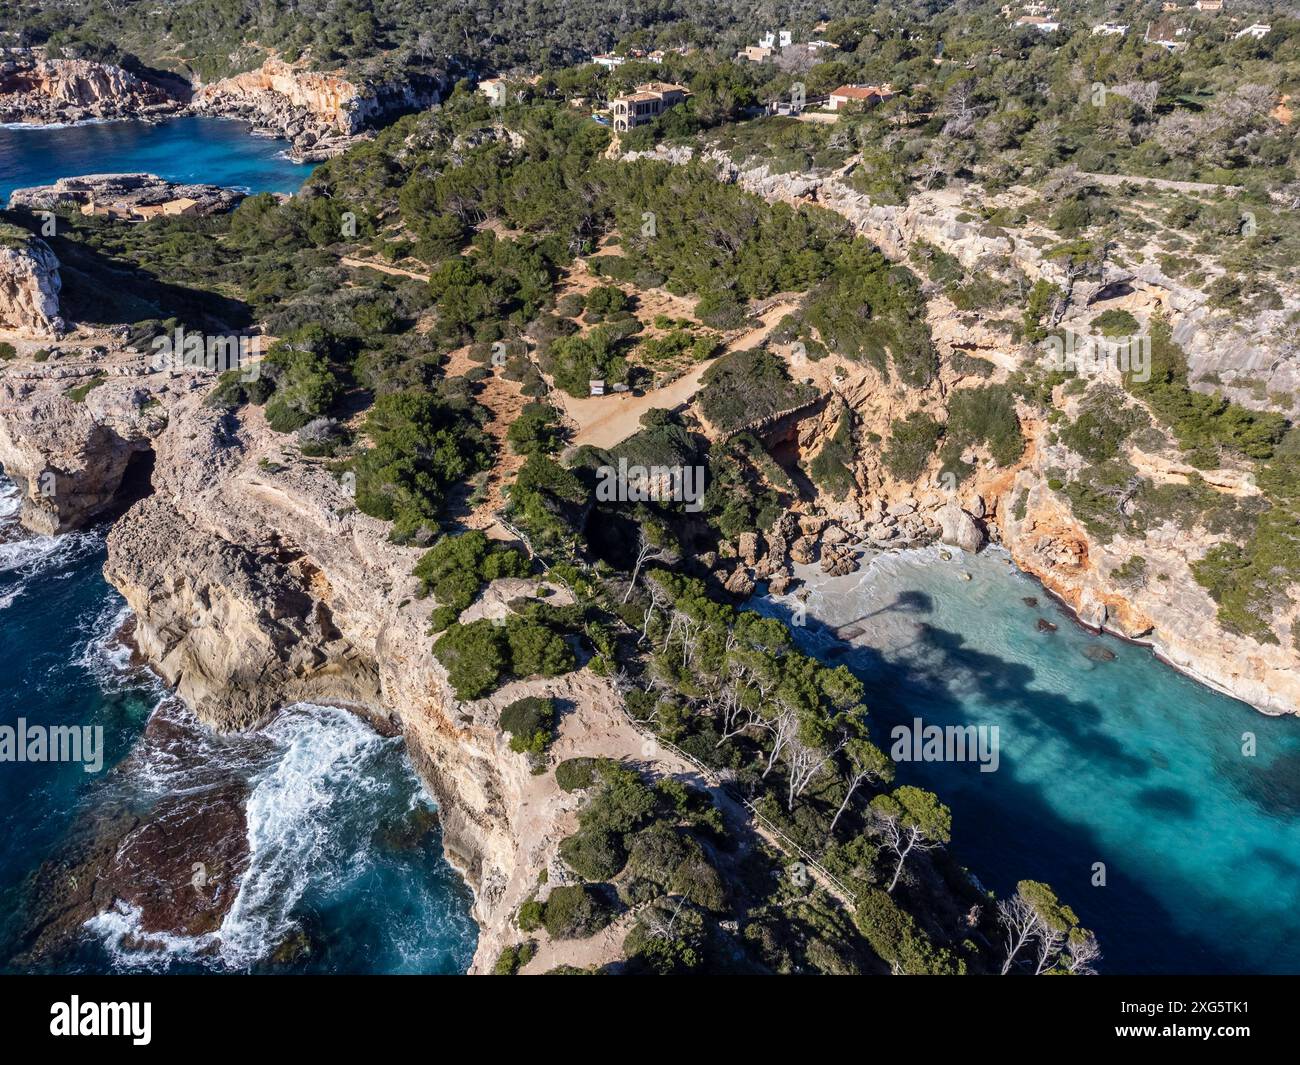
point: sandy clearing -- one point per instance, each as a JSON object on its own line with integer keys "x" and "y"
{"x": 604, "y": 421}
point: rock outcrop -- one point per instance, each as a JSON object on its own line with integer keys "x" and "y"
{"x": 126, "y": 196}
{"x": 43, "y": 90}
{"x": 69, "y": 455}
{"x": 321, "y": 113}
{"x": 29, "y": 285}
{"x": 958, "y": 528}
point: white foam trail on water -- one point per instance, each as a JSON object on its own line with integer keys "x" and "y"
{"x": 321, "y": 765}
{"x": 10, "y": 500}
{"x": 326, "y": 760}
{"x": 105, "y": 657}
{"x": 120, "y": 929}
{"x": 24, "y": 556}
{"x": 61, "y": 125}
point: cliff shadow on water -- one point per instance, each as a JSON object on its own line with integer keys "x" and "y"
{"x": 1106, "y": 756}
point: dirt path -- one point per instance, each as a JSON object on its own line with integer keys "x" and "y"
{"x": 604, "y": 421}
{"x": 1115, "y": 180}
{"x": 504, "y": 399}
{"x": 383, "y": 268}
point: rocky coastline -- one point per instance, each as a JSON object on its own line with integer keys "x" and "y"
{"x": 37, "y": 90}
{"x": 135, "y": 197}
{"x": 320, "y": 114}
{"x": 255, "y": 582}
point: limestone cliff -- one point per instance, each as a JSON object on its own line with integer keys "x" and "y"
{"x": 69, "y": 433}
{"x": 321, "y": 113}
{"x": 44, "y": 90}
{"x": 29, "y": 285}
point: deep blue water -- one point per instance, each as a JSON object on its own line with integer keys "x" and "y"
{"x": 345, "y": 853}
{"x": 212, "y": 150}
{"x": 1126, "y": 762}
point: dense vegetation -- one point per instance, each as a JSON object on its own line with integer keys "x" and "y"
{"x": 497, "y": 206}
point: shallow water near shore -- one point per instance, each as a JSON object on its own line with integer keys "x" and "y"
{"x": 1124, "y": 762}
{"x": 190, "y": 148}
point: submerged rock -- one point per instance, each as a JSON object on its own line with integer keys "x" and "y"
{"x": 1030, "y": 601}
{"x": 1045, "y": 626}
{"x": 1098, "y": 653}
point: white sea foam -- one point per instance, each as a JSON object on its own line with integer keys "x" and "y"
{"x": 325, "y": 761}
{"x": 152, "y": 951}
{"x": 26, "y": 557}
{"x": 10, "y": 500}
{"x": 61, "y": 125}
{"x": 309, "y": 767}
{"x": 104, "y": 656}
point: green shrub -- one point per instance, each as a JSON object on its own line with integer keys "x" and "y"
{"x": 530, "y": 915}
{"x": 474, "y": 656}
{"x": 985, "y": 415}
{"x": 574, "y": 774}
{"x": 531, "y": 724}
{"x": 536, "y": 429}
{"x": 1116, "y": 323}
{"x": 594, "y": 854}
{"x": 421, "y": 446}
{"x": 455, "y": 568}
{"x": 574, "y": 912}
{"x": 78, "y": 393}
{"x": 747, "y": 386}
{"x": 911, "y": 443}
{"x": 537, "y": 650}
{"x": 894, "y": 935}
{"x": 832, "y": 467}
{"x": 1104, "y": 423}
{"x": 513, "y": 958}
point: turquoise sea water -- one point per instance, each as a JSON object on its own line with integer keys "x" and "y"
{"x": 1125, "y": 762}
{"x": 212, "y": 150}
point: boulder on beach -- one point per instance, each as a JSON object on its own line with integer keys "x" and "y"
{"x": 958, "y": 528}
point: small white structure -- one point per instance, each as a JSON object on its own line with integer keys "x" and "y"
{"x": 1043, "y": 25}
{"x": 495, "y": 90}
{"x": 1109, "y": 29}
{"x": 1258, "y": 30}
{"x": 609, "y": 62}
{"x": 786, "y": 38}
{"x": 597, "y": 388}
